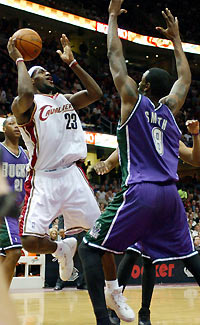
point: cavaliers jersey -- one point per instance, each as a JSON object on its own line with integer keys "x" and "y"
{"x": 14, "y": 169}
{"x": 149, "y": 144}
{"x": 54, "y": 137}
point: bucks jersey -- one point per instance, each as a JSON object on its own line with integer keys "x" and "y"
{"x": 54, "y": 136}
{"x": 14, "y": 169}
{"x": 149, "y": 144}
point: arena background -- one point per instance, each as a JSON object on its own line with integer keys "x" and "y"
{"x": 89, "y": 47}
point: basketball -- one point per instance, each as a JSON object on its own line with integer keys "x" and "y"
{"x": 28, "y": 42}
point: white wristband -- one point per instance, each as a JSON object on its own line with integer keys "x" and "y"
{"x": 19, "y": 60}
{"x": 71, "y": 63}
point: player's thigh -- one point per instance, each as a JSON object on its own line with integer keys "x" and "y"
{"x": 41, "y": 206}
{"x": 81, "y": 208}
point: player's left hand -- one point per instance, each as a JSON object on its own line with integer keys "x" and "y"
{"x": 67, "y": 55}
{"x": 172, "y": 30}
{"x": 115, "y": 7}
{"x": 101, "y": 168}
{"x": 192, "y": 126}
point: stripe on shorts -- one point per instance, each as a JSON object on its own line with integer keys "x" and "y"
{"x": 115, "y": 218}
{"x": 27, "y": 202}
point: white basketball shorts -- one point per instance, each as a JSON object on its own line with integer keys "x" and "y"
{"x": 61, "y": 192}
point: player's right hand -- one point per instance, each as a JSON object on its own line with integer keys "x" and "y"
{"x": 115, "y": 7}
{"x": 101, "y": 168}
{"x": 14, "y": 53}
{"x": 192, "y": 126}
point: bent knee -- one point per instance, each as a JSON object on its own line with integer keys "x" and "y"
{"x": 13, "y": 254}
{"x": 30, "y": 243}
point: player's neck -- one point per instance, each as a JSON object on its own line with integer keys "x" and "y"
{"x": 36, "y": 91}
{"x": 13, "y": 145}
{"x": 154, "y": 100}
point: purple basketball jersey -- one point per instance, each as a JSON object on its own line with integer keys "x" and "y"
{"x": 149, "y": 144}
{"x": 14, "y": 169}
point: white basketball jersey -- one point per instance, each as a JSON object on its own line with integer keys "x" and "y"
{"x": 54, "y": 137}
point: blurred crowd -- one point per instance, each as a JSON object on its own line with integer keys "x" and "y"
{"x": 189, "y": 191}
{"x": 144, "y": 16}
{"x": 103, "y": 115}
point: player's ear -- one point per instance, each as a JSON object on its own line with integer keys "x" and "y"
{"x": 147, "y": 87}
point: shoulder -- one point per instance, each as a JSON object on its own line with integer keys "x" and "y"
{"x": 25, "y": 152}
{"x": 68, "y": 96}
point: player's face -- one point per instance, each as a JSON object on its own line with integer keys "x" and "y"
{"x": 143, "y": 84}
{"x": 11, "y": 128}
{"x": 43, "y": 81}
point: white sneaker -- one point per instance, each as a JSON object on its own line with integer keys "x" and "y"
{"x": 117, "y": 302}
{"x": 65, "y": 259}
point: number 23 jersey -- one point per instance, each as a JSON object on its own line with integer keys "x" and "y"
{"x": 54, "y": 136}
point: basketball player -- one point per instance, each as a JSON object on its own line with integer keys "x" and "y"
{"x": 148, "y": 208}
{"x": 53, "y": 134}
{"x": 14, "y": 161}
{"x": 190, "y": 156}
{"x": 7, "y": 198}
{"x": 7, "y": 206}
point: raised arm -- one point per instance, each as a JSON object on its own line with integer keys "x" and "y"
{"x": 84, "y": 97}
{"x": 24, "y": 101}
{"x": 191, "y": 155}
{"x": 178, "y": 93}
{"x": 125, "y": 85}
{"x": 104, "y": 167}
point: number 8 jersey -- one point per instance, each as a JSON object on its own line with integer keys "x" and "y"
{"x": 54, "y": 136}
{"x": 149, "y": 144}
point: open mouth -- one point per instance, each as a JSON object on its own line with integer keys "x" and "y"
{"x": 50, "y": 79}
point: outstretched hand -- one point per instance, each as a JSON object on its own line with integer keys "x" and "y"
{"x": 101, "y": 168}
{"x": 192, "y": 126}
{"x": 172, "y": 30}
{"x": 115, "y": 7}
{"x": 67, "y": 55}
{"x": 14, "y": 53}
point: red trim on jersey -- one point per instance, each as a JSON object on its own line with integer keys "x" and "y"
{"x": 51, "y": 96}
{"x": 85, "y": 176}
{"x": 30, "y": 130}
{"x": 56, "y": 95}
{"x": 28, "y": 188}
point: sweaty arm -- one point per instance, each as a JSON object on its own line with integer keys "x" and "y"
{"x": 125, "y": 85}
{"x": 191, "y": 155}
{"x": 104, "y": 167}
{"x": 23, "y": 103}
{"x": 178, "y": 93}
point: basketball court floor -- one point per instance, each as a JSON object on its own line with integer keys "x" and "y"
{"x": 171, "y": 305}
